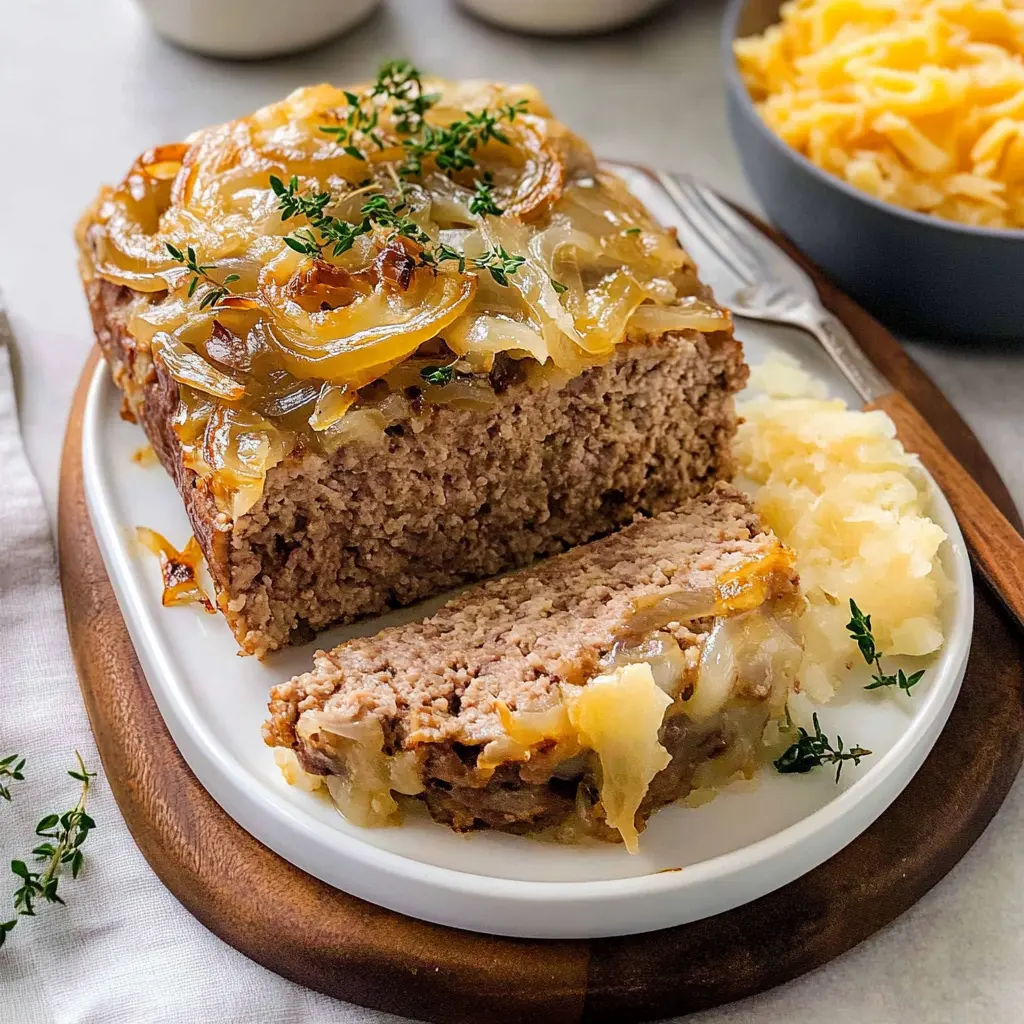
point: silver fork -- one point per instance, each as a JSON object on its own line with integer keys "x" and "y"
{"x": 774, "y": 288}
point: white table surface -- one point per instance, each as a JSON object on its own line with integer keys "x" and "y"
{"x": 84, "y": 87}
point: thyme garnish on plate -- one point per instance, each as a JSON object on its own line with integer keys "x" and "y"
{"x": 64, "y": 834}
{"x": 201, "y": 273}
{"x": 813, "y": 750}
{"x": 10, "y": 768}
{"x": 859, "y": 628}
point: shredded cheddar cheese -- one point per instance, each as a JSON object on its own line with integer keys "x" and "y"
{"x": 916, "y": 102}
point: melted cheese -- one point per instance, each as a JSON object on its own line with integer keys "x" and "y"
{"x": 618, "y": 716}
{"x": 750, "y": 584}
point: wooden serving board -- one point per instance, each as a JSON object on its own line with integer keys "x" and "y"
{"x": 313, "y": 934}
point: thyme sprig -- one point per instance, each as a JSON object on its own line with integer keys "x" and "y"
{"x": 400, "y": 81}
{"x": 483, "y": 201}
{"x": 452, "y": 147}
{"x": 813, "y": 750}
{"x": 10, "y": 768}
{"x": 859, "y": 628}
{"x": 199, "y": 272}
{"x": 358, "y": 122}
{"x": 326, "y": 230}
{"x": 499, "y": 263}
{"x": 379, "y": 211}
{"x": 339, "y": 234}
{"x": 443, "y": 253}
{"x": 65, "y": 833}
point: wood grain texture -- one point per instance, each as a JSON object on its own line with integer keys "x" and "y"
{"x": 317, "y": 936}
{"x": 996, "y": 547}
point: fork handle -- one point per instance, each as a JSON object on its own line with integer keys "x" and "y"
{"x": 997, "y": 548}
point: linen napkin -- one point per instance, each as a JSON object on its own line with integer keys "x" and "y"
{"x": 123, "y": 950}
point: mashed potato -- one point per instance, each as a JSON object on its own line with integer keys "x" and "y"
{"x": 839, "y": 489}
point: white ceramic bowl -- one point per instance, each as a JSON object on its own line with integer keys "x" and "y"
{"x": 747, "y": 842}
{"x": 560, "y": 17}
{"x": 253, "y": 28}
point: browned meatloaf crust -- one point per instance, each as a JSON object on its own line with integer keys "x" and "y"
{"x": 467, "y": 495}
{"x": 437, "y": 687}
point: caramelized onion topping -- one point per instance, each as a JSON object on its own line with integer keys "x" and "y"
{"x": 269, "y": 345}
{"x": 178, "y": 569}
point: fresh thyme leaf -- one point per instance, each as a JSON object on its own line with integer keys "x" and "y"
{"x": 558, "y": 286}
{"x": 442, "y": 253}
{"x": 380, "y": 211}
{"x": 633, "y": 231}
{"x": 813, "y": 750}
{"x": 440, "y": 375}
{"x": 293, "y": 203}
{"x": 452, "y": 147}
{"x": 483, "y": 201}
{"x": 859, "y": 627}
{"x": 401, "y": 82}
{"x": 341, "y": 234}
{"x": 308, "y": 246}
{"x": 337, "y": 233}
{"x": 499, "y": 263}
{"x": 202, "y": 273}
{"x": 339, "y": 131}
{"x": 66, "y": 832}
{"x": 11, "y": 767}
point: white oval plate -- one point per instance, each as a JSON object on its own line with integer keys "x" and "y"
{"x": 752, "y": 839}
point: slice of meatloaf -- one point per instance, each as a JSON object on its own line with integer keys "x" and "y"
{"x": 453, "y": 496}
{"x": 602, "y": 681}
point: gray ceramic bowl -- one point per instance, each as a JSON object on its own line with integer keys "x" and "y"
{"x": 918, "y": 273}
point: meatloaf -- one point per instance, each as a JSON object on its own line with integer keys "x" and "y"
{"x": 599, "y": 685}
{"x": 535, "y": 377}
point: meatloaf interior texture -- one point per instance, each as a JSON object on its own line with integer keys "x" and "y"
{"x": 522, "y": 703}
{"x": 456, "y": 496}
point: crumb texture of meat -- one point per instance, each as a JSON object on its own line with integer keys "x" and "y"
{"x": 439, "y": 688}
{"x": 461, "y": 495}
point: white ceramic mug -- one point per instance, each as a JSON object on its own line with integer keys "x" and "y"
{"x": 560, "y": 17}
{"x": 252, "y": 28}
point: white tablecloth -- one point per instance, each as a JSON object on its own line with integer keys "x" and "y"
{"x": 89, "y": 81}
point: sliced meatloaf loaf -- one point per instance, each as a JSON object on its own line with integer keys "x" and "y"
{"x": 601, "y": 682}
{"x": 447, "y": 495}
{"x": 375, "y": 371}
